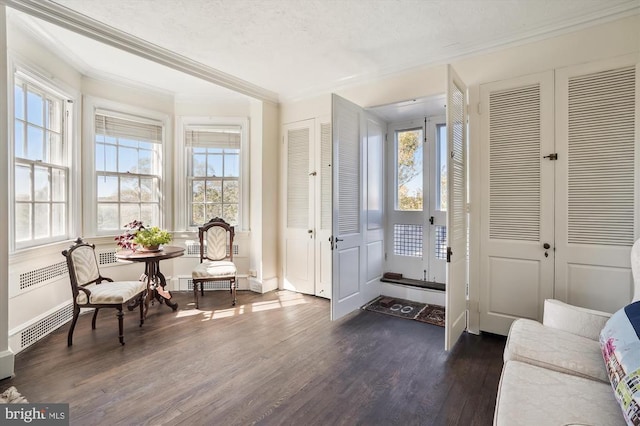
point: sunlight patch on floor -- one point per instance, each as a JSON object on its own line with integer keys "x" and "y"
{"x": 285, "y": 299}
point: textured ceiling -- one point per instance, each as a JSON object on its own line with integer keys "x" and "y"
{"x": 302, "y": 47}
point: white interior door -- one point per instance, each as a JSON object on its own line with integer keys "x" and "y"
{"x": 516, "y": 272}
{"x": 348, "y": 258}
{"x": 299, "y": 233}
{"x": 456, "y": 296}
{"x": 597, "y": 213}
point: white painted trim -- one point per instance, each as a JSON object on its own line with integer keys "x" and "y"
{"x": 6, "y": 364}
{"x": 84, "y": 25}
{"x": 263, "y": 286}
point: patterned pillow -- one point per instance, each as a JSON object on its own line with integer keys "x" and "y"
{"x": 620, "y": 344}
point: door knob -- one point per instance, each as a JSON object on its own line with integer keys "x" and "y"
{"x": 546, "y": 246}
{"x": 310, "y": 231}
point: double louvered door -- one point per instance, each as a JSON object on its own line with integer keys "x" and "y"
{"x": 307, "y": 250}
{"x": 559, "y": 191}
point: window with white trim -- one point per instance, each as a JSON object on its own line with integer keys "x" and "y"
{"x": 213, "y": 172}
{"x": 128, "y": 170}
{"x": 40, "y": 163}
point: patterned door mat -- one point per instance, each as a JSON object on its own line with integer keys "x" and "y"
{"x": 432, "y": 314}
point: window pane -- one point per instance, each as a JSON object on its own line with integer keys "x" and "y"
{"x": 107, "y": 188}
{"x": 199, "y": 165}
{"x": 23, "y": 183}
{"x": 54, "y": 143}
{"x": 129, "y": 190}
{"x": 41, "y": 184}
{"x": 213, "y": 210}
{"x": 147, "y": 189}
{"x": 105, "y": 158}
{"x": 231, "y": 165}
{"x": 58, "y": 220}
{"x": 145, "y": 162}
{"x": 130, "y": 212}
{"x": 214, "y": 165}
{"x": 23, "y": 221}
{"x": 214, "y": 192}
{"x": 58, "y": 185}
{"x": 19, "y": 139}
{"x": 409, "y": 170}
{"x": 231, "y": 191}
{"x": 18, "y": 97}
{"x": 197, "y": 191}
{"x": 197, "y": 214}
{"x": 231, "y": 213}
{"x": 150, "y": 214}
{"x": 35, "y": 141}
{"x": 441, "y": 155}
{"x": 127, "y": 160}
{"x": 53, "y": 115}
{"x": 35, "y": 105}
{"x": 41, "y": 224}
{"x": 108, "y": 217}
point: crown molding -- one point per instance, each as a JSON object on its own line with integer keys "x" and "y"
{"x": 81, "y": 24}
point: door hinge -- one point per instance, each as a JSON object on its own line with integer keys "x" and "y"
{"x": 551, "y": 157}
{"x": 479, "y": 108}
{"x": 449, "y": 254}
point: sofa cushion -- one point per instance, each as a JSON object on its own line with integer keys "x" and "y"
{"x": 620, "y": 342}
{"x": 531, "y": 395}
{"x": 536, "y": 344}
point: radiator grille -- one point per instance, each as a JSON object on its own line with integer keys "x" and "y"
{"x": 45, "y": 326}
{"x": 209, "y": 285}
{"x": 40, "y": 275}
{"x": 107, "y": 258}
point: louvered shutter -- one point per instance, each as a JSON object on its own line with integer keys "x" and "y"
{"x": 349, "y": 175}
{"x": 325, "y": 176}
{"x": 298, "y": 178}
{"x": 601, "y": 108}
{"x": 514, "y": 163}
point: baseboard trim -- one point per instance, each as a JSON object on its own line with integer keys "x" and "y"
{"x": 7, "y": 363}
{"x": 263, "y": 286}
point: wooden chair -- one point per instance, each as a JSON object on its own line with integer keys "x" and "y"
{"x": 216, "y": 257}
{"x": 92, "y": 290}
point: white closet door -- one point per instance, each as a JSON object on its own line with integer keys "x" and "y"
{"x": 349, "y": 267}
{"x": 456, "y": 297}
{"x": 299, "y": 233}
{"x": 324, "y": 209}
{"x": 516, "y": 272}
{"x": 597, "y": 193}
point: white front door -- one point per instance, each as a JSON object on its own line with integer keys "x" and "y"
{"x": 299, "y": 240}
{"x": 348, "y": 258}
{"x": 517, "y": 203}
{"x": 456, "y": 295}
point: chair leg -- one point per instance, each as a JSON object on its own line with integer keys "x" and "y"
{"x": 195, "y": 293}
{"x": 95, "y": 315}
{"x": 76, "y": 313}
{"x": 233, "y": 291}
{"x": 141, "y": 308}
{"x": 120, "y": 316}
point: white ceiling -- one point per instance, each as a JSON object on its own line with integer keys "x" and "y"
{"x": 299, "y": 48}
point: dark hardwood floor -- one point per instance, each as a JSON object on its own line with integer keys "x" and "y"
{"x": 273, "y": 359}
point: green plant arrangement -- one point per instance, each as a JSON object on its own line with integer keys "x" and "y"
{"x": 152, "y": 237}
{"x": 137, "y": 235}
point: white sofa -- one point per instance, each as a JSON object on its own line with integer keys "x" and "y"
{"x": 554, "y": 372}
